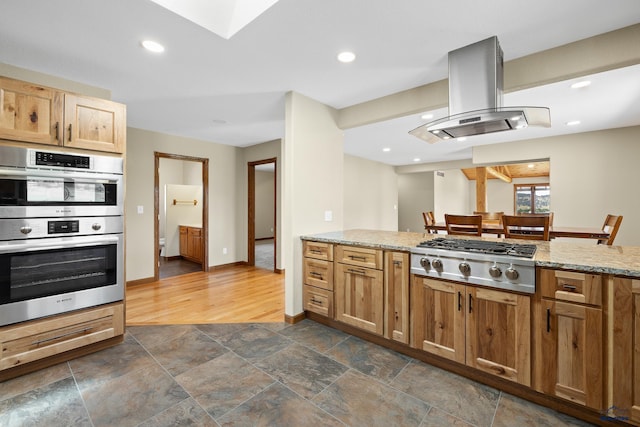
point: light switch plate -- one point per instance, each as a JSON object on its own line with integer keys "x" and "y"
{"x": 140, "y": 209}
{"x": 328, "y": 215}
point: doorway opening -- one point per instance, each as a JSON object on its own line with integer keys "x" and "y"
{"x": 181, "y": 188}
{"x": 262, "y": 214}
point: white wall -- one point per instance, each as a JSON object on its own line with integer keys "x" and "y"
{"x": 370, "y": 195}
{"x": 182, "y": 213}
{"x": 450, "y": 194}
{"x": 313, "y": 183}
{"x": 415, "y": 195}
{"x": 592, "y": 174}
{"x": 224, "y": 222}
{"x": 265, "y": 192}
{"x": 254, "y": 153}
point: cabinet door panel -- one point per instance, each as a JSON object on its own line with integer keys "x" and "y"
{"x": 94, "y": 124}
{"x": 29, "y": 113}
{"x": 437, "y": 317}
{"x": 572, "y": 357}
{"x": 499, "y": 333}
{"x": 360, "y": 297}
{"x": 397, "y": 296}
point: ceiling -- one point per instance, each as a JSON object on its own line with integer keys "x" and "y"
{"x": 232, "y": 91}
{"x": 512, "y": 171}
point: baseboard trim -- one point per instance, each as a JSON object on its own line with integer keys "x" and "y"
{"x": 278, "y": 270}
{"x": 225, "y": 266}
{"x": 294, "y": 319}
{"x": 140, "y": 281}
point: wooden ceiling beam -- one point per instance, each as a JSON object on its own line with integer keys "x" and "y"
{"x": 493, "y": 171}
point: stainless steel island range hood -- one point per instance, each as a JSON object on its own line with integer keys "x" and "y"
{"x": 475, "y": 97}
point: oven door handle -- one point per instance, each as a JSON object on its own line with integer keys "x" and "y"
{"x": 32, "y": 245}
{"x": 59, "y": 174}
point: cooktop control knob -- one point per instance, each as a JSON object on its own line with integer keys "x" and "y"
{"x": 511, "y": 273}
{"x": 464, "y": 268}
{"x": 437, "y": 264}
{"x": 495, "y": 271}
{"x": 425, "y": 263}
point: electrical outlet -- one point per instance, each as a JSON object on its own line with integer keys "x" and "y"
{"x": 140, "y": 209}
{"x": 224, "y": 251}
{"x": 328, "y": 215}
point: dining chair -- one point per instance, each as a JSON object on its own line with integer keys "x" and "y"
{"x": 490, "y": 217}
{"x": 464, "y": 225}
{"x": 429, "y": 219}
{"x": 530, "y": 227}
{"x": 611, "y": 226}
{"x": 549, "y": 214}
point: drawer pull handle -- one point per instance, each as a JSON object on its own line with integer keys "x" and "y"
{"x": 57, "y": 337}
{"x": 57, "y": 131}
{"x": 359, "y": 258}
{"x": 315, "y": 251}
{"x": 548, "y": 320}
{"x": 397, "y": 263}
{"x": 315, "y": 274}
{"x": 470, "y": 302}
{"x": 354, "y": 271}
{"x": 315, "y": 301}
{"x": 459, "y": 301}
{"x": 69, "y": 132}
{"x": 570, "y": 288}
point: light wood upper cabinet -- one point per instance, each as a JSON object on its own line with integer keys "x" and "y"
{"x": 42, "y": 115}
{"x": 568, "y": 335}
{"x": 396, "y": 304}
{"x": 484, "y": 328}
{"x": 30, "y": 113}
{"x": 94, "y": 124}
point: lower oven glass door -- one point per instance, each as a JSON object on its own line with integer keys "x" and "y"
{"x": 51, "y": 276}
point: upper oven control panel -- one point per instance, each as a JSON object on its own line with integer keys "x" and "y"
{"x": 38, "y": 228}
{"x": 43, "y": 158}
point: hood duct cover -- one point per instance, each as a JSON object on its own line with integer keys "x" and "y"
{"x": 475, "y": 97}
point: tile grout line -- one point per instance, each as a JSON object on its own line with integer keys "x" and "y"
{"x": 84, "y": 403}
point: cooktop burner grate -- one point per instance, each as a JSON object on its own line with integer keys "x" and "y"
{"x": 481, "y": 246}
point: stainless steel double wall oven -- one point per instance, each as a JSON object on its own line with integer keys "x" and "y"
{"x": 61, "y": 232}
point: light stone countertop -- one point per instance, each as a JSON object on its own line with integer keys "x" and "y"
{"x": 584, "y": 256}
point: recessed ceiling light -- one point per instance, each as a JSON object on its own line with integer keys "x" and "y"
{"x": 152, "y": 46}
{"x": 530, "y": 165}
{"x": 582, "y": 83}
{"x": 346, "y": 56}
{"x": 386, "y": 149}
{"x": 416, "y": 159}
{"x": 219, "y": 121}
{"x": 462, "y": 139}
{"x": 426, "y": 116}
{"x": 573, "y": 123}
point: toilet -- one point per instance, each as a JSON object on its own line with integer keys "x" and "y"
{"x": 161, "y": 245}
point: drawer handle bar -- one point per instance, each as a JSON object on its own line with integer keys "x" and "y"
{"x": 569, "y": 287}
{"x": 314, "y": 274}
{"x": 360, "y": 258}
{"x": 361, "y": 272}
{"x": 459, "y": 301}
{"x": 315, "y": 251}
{"x": 315, "y": 301}
{"x": 57, "y": 337}
{"x": 548, "y": 320}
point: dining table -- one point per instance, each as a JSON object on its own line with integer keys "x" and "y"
{"x": 554, "y": 231}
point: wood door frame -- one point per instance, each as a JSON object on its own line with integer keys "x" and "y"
{"x": 251, "y": 210}
{"x": 156, "y": 207}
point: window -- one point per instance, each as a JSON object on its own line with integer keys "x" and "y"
{"x": 532, "y": 198}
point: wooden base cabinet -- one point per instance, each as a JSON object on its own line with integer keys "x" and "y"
{"x": 38, "y": 339}
{"x": 191, "y": 243}
{"x": 623, "y": 399}
{"x": 318, "y": 278}
{"x": 483, "y": 328}
{"x": 569, "y": 337}
{"x": 359, "y": 289}
{"x": 396, "y": 301}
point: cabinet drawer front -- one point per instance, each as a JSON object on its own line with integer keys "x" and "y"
{"x": 40, "y": 339}
{"x": 318, "y": 250}
{"x": 573, "y": 287}
{"x": 318, "y": 300}
{"x": 363, "y": 257}
{"x": 318, "y": 273}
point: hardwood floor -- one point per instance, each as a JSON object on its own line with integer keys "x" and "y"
{"x": 233, "y": 295}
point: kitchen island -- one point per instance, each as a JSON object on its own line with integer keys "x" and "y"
{"x": 571, "y": 345}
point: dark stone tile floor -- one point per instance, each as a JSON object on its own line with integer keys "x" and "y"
{"x": 267, "y": 374}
